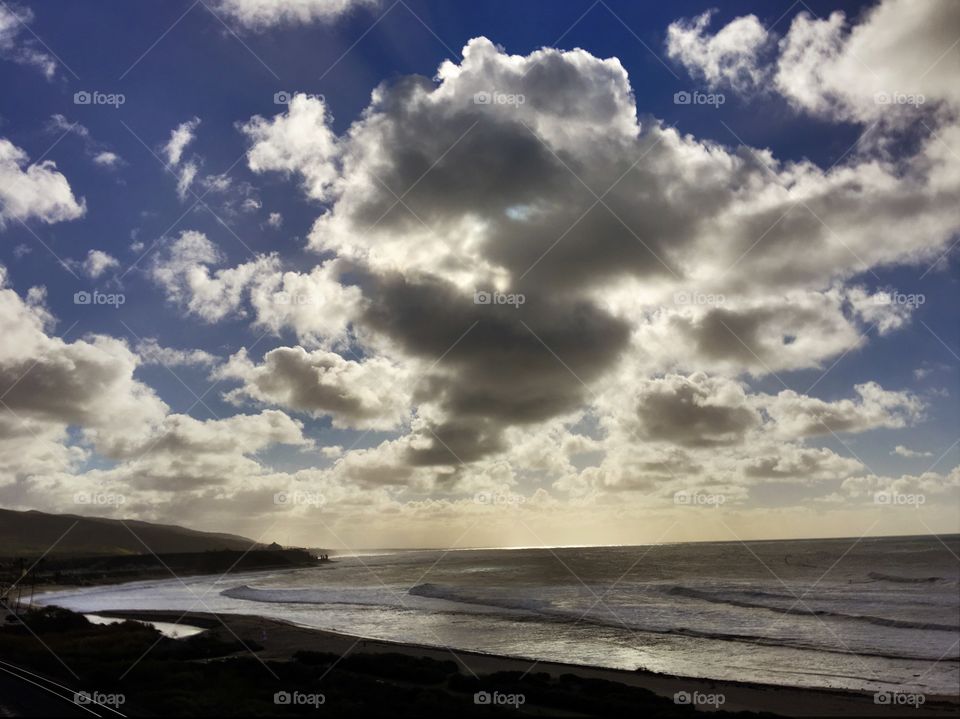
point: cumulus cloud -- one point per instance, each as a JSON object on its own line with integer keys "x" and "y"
{"x": 87, "y": 383}
{"x": 800, "y": 416}
{"x": 886, "y": 67}
{"x": 822, "y": 62}
{"x": 369, "y": 394}
{"x": 259, "y": 15}
{"x": 434, "y": 196}
{"x": 934, "y": 484}
{"x": 730, "y": 57}
{"x": 97, "y": 262}
{"x": 315, "y": 305}
{"x": 299, "y": 141}
{"x": 67, "y": 402}
{"x": 38, "y": 191}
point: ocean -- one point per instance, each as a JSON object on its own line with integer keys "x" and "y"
{"x": 877, "y": 614}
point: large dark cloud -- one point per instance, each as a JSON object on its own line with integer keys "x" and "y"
{"x": 501, "y": 365}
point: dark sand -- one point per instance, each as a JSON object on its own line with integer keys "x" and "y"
{"x": 280, "y": 640}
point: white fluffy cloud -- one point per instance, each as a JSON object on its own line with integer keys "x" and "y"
{"x": 37, "y": 191}
{"x": 832, "y": 68}
{"x": 797, "y": 415}
{"x": 299, "y": 141}
{"x": 731, "y": 56}
{"x": 87, "y": 383}
{"x": 315, "y": 305}
{"x": 97, "y": 262}
{"x": 872, "y": 70}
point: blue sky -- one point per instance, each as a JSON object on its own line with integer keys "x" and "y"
{"x": 175, "y": 61}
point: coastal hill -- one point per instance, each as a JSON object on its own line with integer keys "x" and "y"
{"x": 31, "y": 533}
{"x": 66, "y": 549}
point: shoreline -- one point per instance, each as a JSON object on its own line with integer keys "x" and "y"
{"x": 282, "y": 639}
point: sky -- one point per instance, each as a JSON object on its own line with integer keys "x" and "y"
{"x": 363, "y": 273}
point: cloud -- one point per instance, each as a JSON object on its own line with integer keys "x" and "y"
{"x": 38, "y": 191}
{"x": 902, "y": 451}
{"x": 368, "y": 394}
{"x": 14, "y": 47}
{"x": 299, "y": 141}
{"x": 260, "y": 15}
{"x": 696, "y": 411}
{"x": 97, "y": 262}
{"x": 929, "y": 483}
{"x": 193, "y": 456}
{"x": 55, "y": 384}
{"x": 801, "y": 416}
{"x": 107, "y": 159}
{"x": 185, "y": 178}
{"x": 891, "y": 66}
{"x": 729, "y": 57}
{"x": 180, "y": 137}
{"x": 481, "y": 179}
{"x": 315, "y": 305}
{"x": 101, "y": 156}
{"x": 830, "y": 68}
{"x": 151, "y": 352}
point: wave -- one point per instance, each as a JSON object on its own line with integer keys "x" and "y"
{"x": 312, "y": 596}
{"x": 807, "y": 612}
{"x": 436, "y": 591}
{"x": 542, "y": 611}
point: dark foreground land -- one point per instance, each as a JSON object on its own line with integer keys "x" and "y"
{"x": 251, "y": 666}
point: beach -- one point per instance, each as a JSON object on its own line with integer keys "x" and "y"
{"x": 281, "y": 640}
